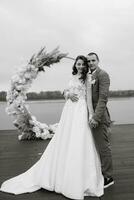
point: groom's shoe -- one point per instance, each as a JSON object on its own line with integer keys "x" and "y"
{"x": 108, "y": 182}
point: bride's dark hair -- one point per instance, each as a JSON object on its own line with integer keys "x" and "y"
{"x": 84, "y": 70}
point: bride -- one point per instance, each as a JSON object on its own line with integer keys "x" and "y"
{"x": 70, "y": 164}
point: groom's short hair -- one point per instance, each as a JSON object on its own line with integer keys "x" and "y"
{"x": 92, "y": 53}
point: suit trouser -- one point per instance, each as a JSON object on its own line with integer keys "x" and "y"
{"x": 102, "y": 139}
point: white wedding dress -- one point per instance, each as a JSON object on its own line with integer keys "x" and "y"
{"x": 70, "y": 164}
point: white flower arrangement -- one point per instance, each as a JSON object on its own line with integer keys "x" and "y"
{"x": 27, "y": 124}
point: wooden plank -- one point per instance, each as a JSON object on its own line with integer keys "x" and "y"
{"x": 17, "y": 156}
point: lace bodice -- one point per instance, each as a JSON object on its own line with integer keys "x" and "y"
{"x": 77, "y": 87}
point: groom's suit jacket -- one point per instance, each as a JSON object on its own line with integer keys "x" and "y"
{"x": 100, "y": 93}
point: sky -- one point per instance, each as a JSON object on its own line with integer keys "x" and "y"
{"x": 77, "y": 27}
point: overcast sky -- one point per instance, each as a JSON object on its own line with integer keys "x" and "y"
{"x": 78, "y": 27}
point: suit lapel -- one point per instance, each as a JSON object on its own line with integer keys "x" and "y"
{"x": 95, "y": 76}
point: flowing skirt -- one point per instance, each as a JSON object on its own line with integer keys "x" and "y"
{"x": 70, "y": 164}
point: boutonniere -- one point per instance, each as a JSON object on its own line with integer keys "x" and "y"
{"x": 93, "y": 81}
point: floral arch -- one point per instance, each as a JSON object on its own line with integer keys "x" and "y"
{"x": 27, "y": 124}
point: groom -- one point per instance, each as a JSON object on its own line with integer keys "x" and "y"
{"x": 100, "y": 121}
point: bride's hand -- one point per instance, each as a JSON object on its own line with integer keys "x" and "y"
{"x": 93, "y": 123}
{"x": 73, "y": 97}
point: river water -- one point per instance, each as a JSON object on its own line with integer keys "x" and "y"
{"x": 121, "y": 110}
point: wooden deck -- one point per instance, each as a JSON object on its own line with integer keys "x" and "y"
{"x": 17, "y": 156}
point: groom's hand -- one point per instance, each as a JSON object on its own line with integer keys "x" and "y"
{"x": 73, "y": 97}
{"x": 93, "y": 123}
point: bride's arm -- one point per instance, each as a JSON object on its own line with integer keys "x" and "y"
{"x": 68, "y": 94}
{"x": 66, "y": 90}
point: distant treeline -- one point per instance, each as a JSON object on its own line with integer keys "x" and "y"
{"x": 59, "y": 95}
{"x": 37, "y": 96}
{"x": 121, "y": 93}
{"x": 45, "y": 95}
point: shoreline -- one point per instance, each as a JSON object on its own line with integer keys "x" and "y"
{"x": 63, "y": 100}
{"x": 112, "y": 126}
